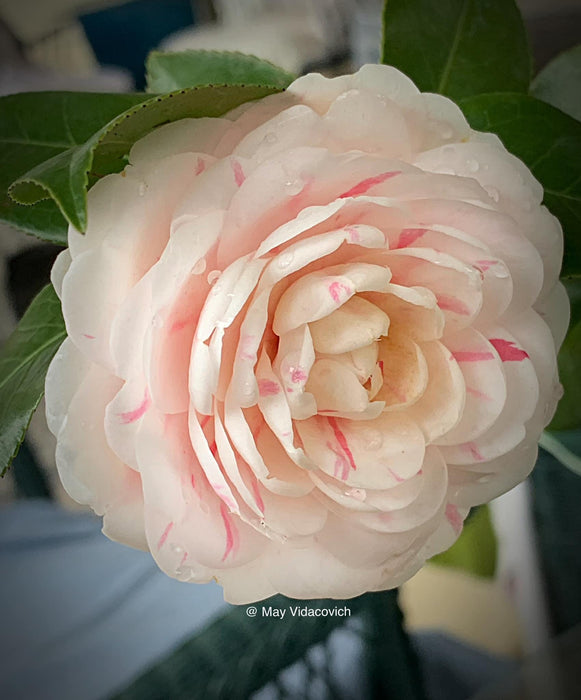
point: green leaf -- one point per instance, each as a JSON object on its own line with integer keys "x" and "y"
{"x": 549, "y": 142}
{"x": 24, "y": 361}
{"x": 559, "y": 83}
{"x": 568, "y": 415}
{"x": 65, "y": 175}
{"x": 458, "y": 48}
{"x": 174, "y": 71}
{"x": 475, "y": 549}
{"x": 35, "y": 127}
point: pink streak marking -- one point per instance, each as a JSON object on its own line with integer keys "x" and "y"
{"x": 89, "y": 337}
{"x": 508, "y": 351}
{"x": 454, "y": 518}
{"x": 266, "y": 387}
{"x": 365, "y": 185}
{"x": 380, "y": 365}
{"x": 409, "y": 236}
{"x": 246, "y": 348}
{"x": 474, "y": 451}
{"x": 220, "y": 491}
{"x": 200, "y": 166}
{"x": 164, "y": 536}
{"x": 258, "y": 497}
{"x": 204, "y": 422}
{"x": 341, "y": 466}
{"x": 230, "y": 531}
{"x": 183, "y": 559}
{"x": 298, "y": 375}
{"x": 335, "y": 289}
{"x": 214, "y": 449}
{"x": 478, "y": 394}
{"x": 397, "y": 477}
{"x": 239, "y": 176}
{"x": 470, "y": 356}
{"x": 450, "y": 303}
{"x": 193, "y": 482}
{"x": 179, "y": 325}
{"x": 132, "y": 416}
{"x": 342, "y": 440}
{"x": 354, "y": 236}
{"x": 484, "y": 265}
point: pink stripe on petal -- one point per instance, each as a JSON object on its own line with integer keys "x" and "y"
{"x": 472, "y": 356}
{"x": 474, "y": 451}
{"x": 258, "y": 497}
{"x": 164, "y": 536}
{"x": 397, "y": 477}
{"x": 365, "y": 185}
{"x": 508, "y": 351}
{"x": 298, "y": 375}
{"x": 335, "y": 289}
{"x": 449, "y": 303}
{"x": 266, "y": 387}
{"x": 132, "y": 416}
{"x": 409, "y": 236}
{"x": 239, "y": 176}
{"x": 231, "y": 534}
{"x": 200, "y": 166}
{"x": 342, "y": 440}
{"x": 478, "y": 394}
{"x": 454, "y": 518}
{"x": 88, "y": 337}
{"x": 484, "y": 265}
{"x": 354, "y": 236}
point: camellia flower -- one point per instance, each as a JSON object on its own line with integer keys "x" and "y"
{"x": 305, "y": 338}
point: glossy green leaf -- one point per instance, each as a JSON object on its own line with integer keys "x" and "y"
{"x": 65, "y": 176}
{"x": 549, "y": 142}
{"x": 24, "y": 361}
{"x": 475, "y": 550}
{"x": 458, "y": 48}
{"x": 568, "y": 415}
{"x": 35, "y": 127}
{"x": 174, "y": 71}
{"x": 559, "y": 83}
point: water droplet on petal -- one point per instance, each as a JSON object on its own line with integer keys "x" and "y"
{"x": 447, "y": 133}
{"x": 271, "y": 137}
{"x": 294, "y": 186}
{"x": 373, "y": 439}
{"x": 493, "y": 193}
{"x": 357, "y": 494}
{"x": 213, "y": 276}
{"x": 142, "y": 189}
{"x": 176, "y": 548}
{"x": 473, "y": 166}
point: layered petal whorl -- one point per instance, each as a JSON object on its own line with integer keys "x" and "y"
{"x": 304, "y": 338}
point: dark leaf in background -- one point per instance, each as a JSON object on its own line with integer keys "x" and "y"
{"x": 559, "y": 83}
{"x": 458, "y": 48}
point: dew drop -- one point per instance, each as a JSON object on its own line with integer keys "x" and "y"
{"x": 357, "y": 494}
{"x": 213, "y": 276}
{"x": 447, "y": 133}
{"x": 473, "y": 166}
{"x": 176, "y": 548}
{"x": 142, "y": 189}
{"x": 294, "y": 186}
{"x": 493, "y": 193}
{"x": 285, "y": 260}
{"x": 199, "y": 267}
{"x": 373, "y": 439}
{"x": 271, "y": 137}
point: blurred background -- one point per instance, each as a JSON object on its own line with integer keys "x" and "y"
{"x": 470, "y": 626}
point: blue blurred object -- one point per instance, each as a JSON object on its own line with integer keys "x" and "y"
{"x": 123, "y": 35}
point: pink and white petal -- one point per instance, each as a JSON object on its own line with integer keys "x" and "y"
{"x": 296, "y": 126}
{"x": 59, "y": 270}
{"x": 503, "y": 235}
{"x": 555, "y": 311}
{"x": 368, "y": 500}
{"x": 200, "y": 136}
{"x": 413, "y": 311}
{"x": 353, "y": 325}
{"x": 318, "y": 294}
{"x": 442, "y": 404}
{"x": 292, "y": 517}
{"x": 374, "y": 454}
{"x": 274, "y": 407}
{"x": 124, "y": 521}
{"x": 403, "y": 370}
{"x": 471, "y": 488}
{"x": 456, "y": 286}
{"x": 427, "y": 504}
{"x": 366, "y": 121}
{"x": 336, "y": 388}
{"x": 129, "y": 329}
{"x": 522, "y": 389}
{"x": 485, "y": 382}
{"x": 66, "y": 373}
{"x": 292, "y": 365}
{"x": 123, "y": 416}
{"x": 444, "y": 121}
{"x": 246, "y": 584}
{"x": 212, "y": 468}
{"x": 188, "y": 528}
{"x": 317, "y": 91}
{"x": 285, "y": 477}
{"x": 544, "y": 231}
{"x": 502, "y": 175}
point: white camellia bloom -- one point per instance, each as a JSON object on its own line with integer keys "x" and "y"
{"x": 305, "y": 338}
